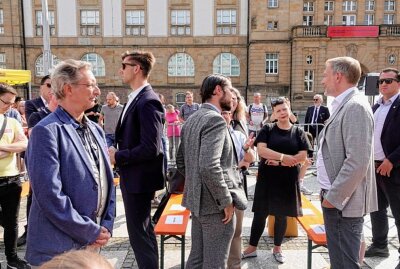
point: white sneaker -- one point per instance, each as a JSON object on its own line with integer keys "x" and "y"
{"x": 305, "y": 191}
{"x": 279, "y": 257}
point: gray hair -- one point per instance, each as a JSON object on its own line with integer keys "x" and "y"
{"x": 67, "y": 72}
{"x": 347, "y": 66}
{"x": 319, "y": 96}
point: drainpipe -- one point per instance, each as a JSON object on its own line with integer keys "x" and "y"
{"x": 23, "y": 44}
{"x": 247, "y": 50}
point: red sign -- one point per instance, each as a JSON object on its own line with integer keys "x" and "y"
{"x": 353, "y": 31}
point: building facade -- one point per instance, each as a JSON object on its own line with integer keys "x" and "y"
{"x": 274, "y": 47}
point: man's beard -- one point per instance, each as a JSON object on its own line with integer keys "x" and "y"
{"x": 226, "y": 105}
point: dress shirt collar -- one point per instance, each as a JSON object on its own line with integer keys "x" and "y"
{"x": 214, "y": 107}
{"x": 44, "y": 101}
{"x": 390, "y": 101}
{"x": 339, "y": 99}
{"x": 135, "y": 92}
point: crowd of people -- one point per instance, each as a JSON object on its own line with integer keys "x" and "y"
{"x": 76, "y": 145}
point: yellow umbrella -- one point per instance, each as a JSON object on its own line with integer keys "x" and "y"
{"x": 14, "y": 77}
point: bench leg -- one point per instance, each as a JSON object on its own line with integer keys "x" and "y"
{"x": 183, "y": 252}
{"x": 309, "y": 254}
{"x": 162, "y": 252}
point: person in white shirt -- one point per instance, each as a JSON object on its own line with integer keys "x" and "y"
{"x": 257, "y": 114}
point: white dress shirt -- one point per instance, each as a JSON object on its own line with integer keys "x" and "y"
{"x": 379, "y": 118}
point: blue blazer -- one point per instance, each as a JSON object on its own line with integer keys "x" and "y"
{"x": 34, "y": 105}
{"x": 63, "y": 212}
{"x": 140, "y": 150}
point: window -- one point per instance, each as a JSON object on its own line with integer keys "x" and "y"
{"x": 329, "y": 5}
{"x": 308, "y": 80}
{"x": 226, "y": 64}
{"x": 180, "y": 22}
{"x": 369, "y": 5}
{"x": 388, "y": 18}
{"x": 90, "y": 22}
{"x": 349, "y": 20}
{"x": 349, "y": 5}
{"x": 328, "y": 20}
{"x": 134, "y": 24}
{"x": 308, "y": 6}
{"x": 271, "y": 63}
{"x": 181, "y": 65}
{"x": 272, "y": 3}
{"x": 226, "y": 22}
{"x": 39, "y": 23}
{"x": 98, "y": 66}
{"x": 39, "y": 69}
{"x": 2, "y": 60}
{"x": 272, "y": 25}
{"x": 1, "y": 22}
{"x": 389, "y": 5}
{"x": 369, "y": 19}
{"x": 308, "y": 20}
{"x": 180, "y": 99}
{"x": 309, "y": 59}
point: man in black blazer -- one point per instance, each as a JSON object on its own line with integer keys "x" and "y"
{"x": 316, "y": 114}
{"x": 139, "y": 154}
{"x": 387, "y": 161}
{"x": 40, "y": 103}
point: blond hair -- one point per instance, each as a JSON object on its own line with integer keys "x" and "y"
{"x": 82, "y": 259}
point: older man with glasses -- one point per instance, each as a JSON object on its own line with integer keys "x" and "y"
{"x": 316, "y": 116}
{"x": 12, "y": 141}
{"x": 73, "y": 205}
{"x": 40, "y": 103}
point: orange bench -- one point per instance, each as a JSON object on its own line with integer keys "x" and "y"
{"x": 313, "y": 223}
{"x": 172, "y": 224}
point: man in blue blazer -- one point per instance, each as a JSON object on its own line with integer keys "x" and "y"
{"x": 73, "y": 203}
{"x": 387, "y": 161}
{"x": 39, "y": 103}
{"x": 139, "y": 156}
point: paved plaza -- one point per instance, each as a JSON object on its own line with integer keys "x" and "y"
{"x": 120, "y": 254}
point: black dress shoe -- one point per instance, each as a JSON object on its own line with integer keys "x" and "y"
{"x": 21, "y": 240}
{"x": 373, "y": 251}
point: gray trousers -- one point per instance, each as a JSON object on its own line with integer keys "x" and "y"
{"x": 343, "y": 236}
{"x": 211, "y": 240}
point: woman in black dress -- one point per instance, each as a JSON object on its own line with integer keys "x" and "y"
{"x": 282, "y": 147}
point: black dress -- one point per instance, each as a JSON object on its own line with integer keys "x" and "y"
{"x": 277, "y": 189}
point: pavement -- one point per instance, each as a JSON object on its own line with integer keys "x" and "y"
{"x": 120, "y": 254}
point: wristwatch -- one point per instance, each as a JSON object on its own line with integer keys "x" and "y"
{"x": 245, "y": 149}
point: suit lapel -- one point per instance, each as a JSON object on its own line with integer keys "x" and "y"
{"x": 392, "y": 111}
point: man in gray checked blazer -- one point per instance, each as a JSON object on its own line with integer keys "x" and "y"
{"x": 345, "y": 163}
{"x": 206, "y": 157}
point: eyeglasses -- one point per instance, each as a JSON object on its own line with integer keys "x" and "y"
{"x": 387, "y": 80}
{"x": 6, "y": 103}
{"x": 277, "y": 101}
{"x": 125, "y": 64}
{"x": 91, "y": 85}
{"x": 225, "y": 112}
{"x": 48, "y": 85}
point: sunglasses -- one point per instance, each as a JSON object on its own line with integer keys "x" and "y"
{"x": 277, "y": 101}
{"x": 48, "y": 85}
{"x": 125, "y": 64}
{"x": 316, "y": 99}
{"x": 7, "y": 103}
{"x": 387, "y": 80}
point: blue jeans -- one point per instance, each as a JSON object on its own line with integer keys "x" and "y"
{"x": 110, "y": 138}
{"x": 343, "y": 237}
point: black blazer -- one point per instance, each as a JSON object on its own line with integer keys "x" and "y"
{"x": 140, "y": 151}
{"x": 34, "y": 105}
{"x": 390, "y": 137}
{"x": 323, "y": 114}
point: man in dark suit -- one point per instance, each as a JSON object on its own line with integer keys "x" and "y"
{"x": 316, "y": 114}
{"x": 139, "y": 154}
{"x": 387, "y": 161}
{"x": 40, "y": 103}
{"x": 207, "y": 158}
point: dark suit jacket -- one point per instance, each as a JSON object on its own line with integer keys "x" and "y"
{"x": 34, "y": 105}
{"x": 390, "y": 137}
{"x": 323, "y": 115}
{"x": 140, "y": 151}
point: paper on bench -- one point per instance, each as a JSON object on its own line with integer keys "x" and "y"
{"x": 174, "y": 219}
{"x": 318, "y": 228}
{"x": 177, "y": 207}
{"x": 308, "y": 211}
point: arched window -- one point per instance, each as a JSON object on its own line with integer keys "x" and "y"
{"x": 39, "y": 68}
{"x": 181, "y": 65}
{"x": 98, "y": 66}
{"x": 227, "y": 64}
